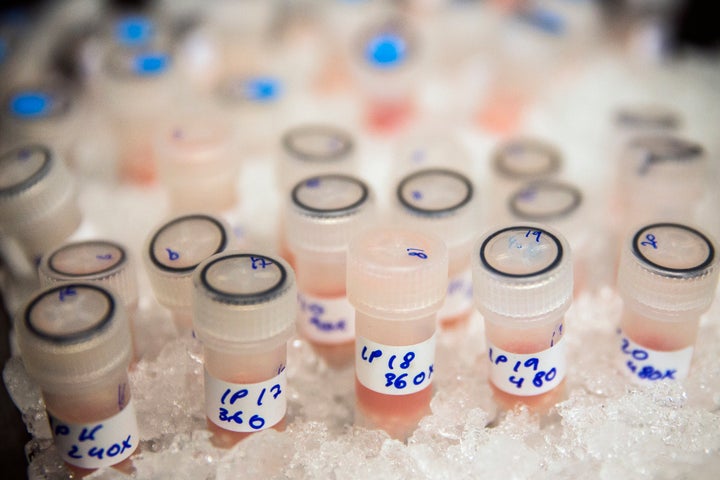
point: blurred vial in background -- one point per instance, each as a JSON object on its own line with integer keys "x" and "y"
{"x": 426, "y": 147}
{"x": 172, "y": 252}
{"x": 323, "y": 214}
{"x": 523, "y": 280}
{"x": 396, "y": 280}
{"x": 244, "y": 314}
{"x": 445, "y": 203}
{"x": 667, "y": 278}
{"x": 75, "y": 343}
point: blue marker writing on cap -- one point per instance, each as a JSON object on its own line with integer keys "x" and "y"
{"x": 31, "y": 104}
{"x": 134, "y": 30}
{"x": 386, "y": 51}
{"x": 149, "y": 64}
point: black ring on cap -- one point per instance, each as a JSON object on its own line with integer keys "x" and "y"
{"x": 546, "y": 185}
{"x": 644, "y": 117}
{"x": 438, "y": 211}
{"x": 36, "y": 176}
{"x": 679, "y": 272}
{"x": 121, "y": 261}
{"x": 242, "y": 298}
{"x": 553, "y": 264}
{"x": 552, "y": 154}
{"x": 196, "y": 216}
{"x": 77, "y": 336}
{"x": 289, "y": 138}
{"x": 330, "y": 211}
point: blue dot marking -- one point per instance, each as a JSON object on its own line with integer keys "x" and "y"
{"x": 387, "y": 50}
{"x": 133, "y": 31}
{"x": 545, "y": 20}
{"x": 149, "y": 64}
{"x": 262, "y": 89}
{"x": 31, "y": 104}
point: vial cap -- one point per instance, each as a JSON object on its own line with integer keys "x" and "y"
{"x": 71, "y": 334}
{"x": 647, "y": 117}
{"x": 527, "y": 159}
{"x": 544, "y": 201}
{"x": 670, "y": 269}
{"x": 98, "y": 261}
{"x": 34, "y": 184}
{"x": 438, "y": 200}
{"x": 326, "y": 211}
{"x": 176, "y": 248}
{"x": 243, "y": 298}
{"x": 134, "y": 30}
{"x": 397, "y": 273}
{"x": 662, "y": 155}
{"x": 522, "y": 272}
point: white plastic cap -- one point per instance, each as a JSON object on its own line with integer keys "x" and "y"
{"x": 36, "y": 187}
{"x": 545, "y": 201}
{"x": 651, "y": 157}
{"x": 97, "y": 261}
{"x": 440, "y": 201}
{"x": 647, "y": 118}
{"x": 526, "y": 159}
{"x": 669, "y": 271}
{"x": 523, "y": 273}
{"x": 73, "y": 334}
{"x": 326, "y": 211}
{"x": 176, "y": 248}
{"x": 243, "y": 298}
{"x": 198, "y": 164}
{"x": 396, "y": 273}
{"x": 310, "y": 150}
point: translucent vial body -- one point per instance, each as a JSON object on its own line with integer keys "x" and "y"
{"x": 171, "y": 254}
{"x": 523, "y": 286}
{"x": 38, "y": 207}
{"x": 198, "y": 164}
{"x": 667, "y": 277}
{"x": 244, "y": 314}
{"x": 444, "y": 202}
{"x": 322, "y": 216}
{"x": 426, "y": 148}
{"x": 396, "y": 280}
{"x": 75, "y": 343}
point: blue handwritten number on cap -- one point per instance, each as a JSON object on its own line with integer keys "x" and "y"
{"x": 107, "y": 256}
{"x": 417, "y": 252}
{"x": 537, "y": 234}
{"x": 172, "y": 254}
{"x": 650, "y": 241}
{"x": 66, "y": 292}
{"x": 259, "y": 260}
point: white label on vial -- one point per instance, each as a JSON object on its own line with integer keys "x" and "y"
{"x": 527, "y": 374}
{"x": 245, "y": 407}
{"x": 644, "y": 365}
{"x": 326, "y": 320}
{"x": 99, "y": 444}
{"x": 394, "y": 370}
{"x": 459, "y": 298}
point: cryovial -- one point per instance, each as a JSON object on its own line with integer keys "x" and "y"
{"x": 667, "y": 278}
{"x": 428, "y": 148}
{"x": 38, "y": 206}
{"x": 198, "y": 164}
{"x": 323, "y": 214}
{"x": 523, "y": 283}
{"x": 396, "y": 280}
{"x": 103, "y": 262}
{"x": 444, "y": 202}
{"x": 171, "y": 254}
{"x": 75, "y": 343}
{"x": 244, "y": 314}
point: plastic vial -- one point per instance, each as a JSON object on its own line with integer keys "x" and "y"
{"x": 324, "y": 213}
{"x": 444, "y": 202}
{"x": 396, "y": 280}
{"x": 244, "y": 314}
{"x": 38, "y": 206}
{"x": 101, "y": 262}
{"x": 171, "y": 254}
{"x": 667, "y": 278}
{"x": 523, "y": 283}
{"x": 198, "y": 164}
{"x": 426, "y": 148}
{"x": 75, "y": 343}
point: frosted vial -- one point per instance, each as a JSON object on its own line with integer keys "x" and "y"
{"x": 426, "y": 148}
{"x": 171, "y": 254}
{"x": 244, "y": 314}
{"x": 523, "y": 282}
{"x": 667, "y": 278}
{"x": 198, "y": 164}
{"x": 75, "y": 343}
{"x": 444, "y": 202}
{"x": 323, "y": 214}
{"x": 396, "y": 280}
{"x": 38, "y": 205}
